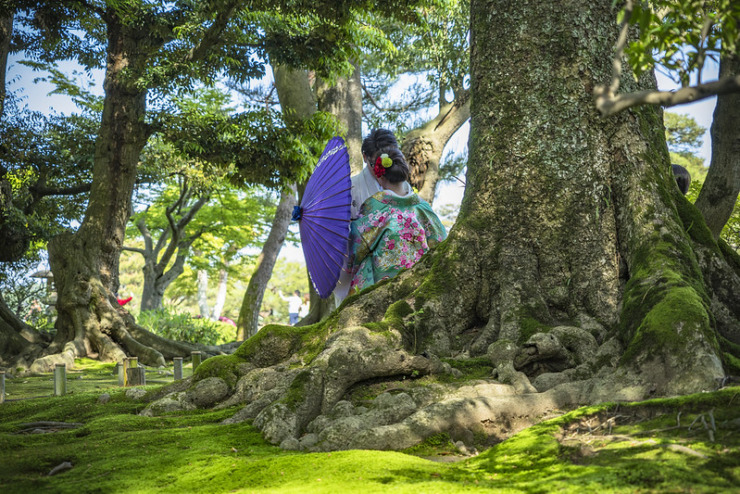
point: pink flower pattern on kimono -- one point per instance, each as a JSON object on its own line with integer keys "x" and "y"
{"x": 391, "y": 234}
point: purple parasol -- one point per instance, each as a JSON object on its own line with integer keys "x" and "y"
{"x": 324, "y": 216}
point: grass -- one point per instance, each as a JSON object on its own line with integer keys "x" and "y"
{"x": 667, "y": 445}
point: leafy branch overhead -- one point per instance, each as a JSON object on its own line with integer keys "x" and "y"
{"x": 677, "y": 37}
{"x": 256, "y": 147}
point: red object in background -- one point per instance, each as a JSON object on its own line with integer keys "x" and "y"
{"x": 124, "y": 301}
{"x": 227, "y": 320}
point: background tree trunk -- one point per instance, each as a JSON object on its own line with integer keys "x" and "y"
{"x": 6, "y": 30}
{"x": 719, "y": 193}
{"x": 248, "y": 322}
{"x": 423, "y": 146}
{"x": 203, "y": 293}
{"x": 218, "y": 305}
{"x": 159, "y": 271}
{"x": 344, "y": 100}
{"x": 85, "y": 263}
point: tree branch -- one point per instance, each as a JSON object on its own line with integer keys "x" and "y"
{"x": 177, "y": 229}
{"x": 134, "y": 249}
{"x": 611, "y": 104}
{"x": 213, "y": 33}
{"x": 141, "y": 225}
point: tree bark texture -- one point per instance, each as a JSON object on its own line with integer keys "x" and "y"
{"x": 248, "y": 322}
{"x": 719, "y": 193}
{"x": 571, "y": 218}
{"x": 218, "y": 305}
{"x": 344, "y": 100}
{"x": 202, "y": 285}
{"x": 423, "y": 146}
{"x": 6, "y": 31}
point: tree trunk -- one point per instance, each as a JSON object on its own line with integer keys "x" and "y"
{"x": 719, "y": 193}
{"x": 344, "y": 100}
{"x": 218, "y": 306}
{"x": 203, "y": 293}
{"x": 248, "y": 322}
{"x": 159, "y": 272}
{"x": 85, "y": 263}
{"x": 6, "y": 30}
{"x": 423, "y": 146}
{"x": 297, "y": 103}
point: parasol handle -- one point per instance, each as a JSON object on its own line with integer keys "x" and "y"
{"x": 297, "y": 213}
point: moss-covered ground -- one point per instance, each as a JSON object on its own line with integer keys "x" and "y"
{"x": 686, "y": 444}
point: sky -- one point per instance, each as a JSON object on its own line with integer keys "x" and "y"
{"x": 37, "y": 97}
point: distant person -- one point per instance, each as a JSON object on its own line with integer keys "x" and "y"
{"x": 364, "y": 185}
{"x": 294, "y": 306}
{"x": 305, "y": 306}
{"x": 395, "y": 226}
{"x": 683, "y": 178}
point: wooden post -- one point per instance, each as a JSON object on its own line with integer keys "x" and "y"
{"x": 60, "y": 380}
{"x": 2, "y": 386}
{"x": 196, "y": 359}
{"x": 125, "y": 372}
{"x": 136, "y": 376}
{"x": 121, "y": 374}
{"x": 177, "y": 361}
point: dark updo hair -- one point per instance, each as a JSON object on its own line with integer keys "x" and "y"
{"x": 377, "y": 139}
{"x": 399, "y": 170}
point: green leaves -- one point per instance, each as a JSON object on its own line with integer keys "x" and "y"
{"x": 680, "y": 35}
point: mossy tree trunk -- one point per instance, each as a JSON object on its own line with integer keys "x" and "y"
{"x": 568, "y": 218}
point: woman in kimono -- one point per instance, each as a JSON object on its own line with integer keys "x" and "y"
{"x": 395, "y": 226}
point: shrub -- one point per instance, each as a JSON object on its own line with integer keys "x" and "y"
{"x": 182, "y": 326}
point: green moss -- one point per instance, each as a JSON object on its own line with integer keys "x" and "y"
{"x": 529, "y": 326}
{"x": 395, "y": 314}
{"x": 222, "y": 366}
{"x": 296, "y": 394}
{"x": 473, "y": 368}
{"x": 433, "y": 446}
{"x": 732, "y": 363}
{"x": 694, "y": 223}
{"x": 664, "y": 277}
{"x": 377, "y": 327}
{"x": 275, "y": 343}
{"x": 732, "y": 257}
{"x": 117, "y": 450}
{"x": 676, "y": 316}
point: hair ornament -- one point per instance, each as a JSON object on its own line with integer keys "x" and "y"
{"x": 382, "y": 163}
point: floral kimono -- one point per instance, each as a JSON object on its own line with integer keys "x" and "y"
{"x": 391, "y": 234}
